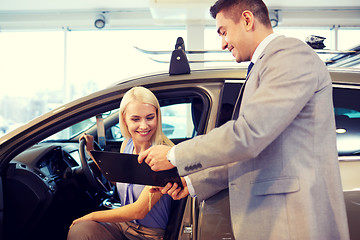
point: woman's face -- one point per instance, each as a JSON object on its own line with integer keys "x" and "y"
{"x": 141, "y": 120}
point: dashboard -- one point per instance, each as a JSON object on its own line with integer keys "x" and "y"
{"x": 56, "y": 161}
{"x": 41, "y": 187}
{"x": 48, "y": 161}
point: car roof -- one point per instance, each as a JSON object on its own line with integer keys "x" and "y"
{"x": 198, "y": 74}
{"x": 345, "y": 75}
{"x": 339, "y": 76}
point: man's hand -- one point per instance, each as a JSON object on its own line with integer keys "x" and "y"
{"x": 175, "y": 191}
{"x": 155, "y": 157}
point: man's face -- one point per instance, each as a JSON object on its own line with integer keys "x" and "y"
{"x": 234, "y": 37}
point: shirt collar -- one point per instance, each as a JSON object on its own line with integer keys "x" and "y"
{"x": 260, "y": 48}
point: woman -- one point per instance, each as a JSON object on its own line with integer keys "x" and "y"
{"x": 143, "y": 214}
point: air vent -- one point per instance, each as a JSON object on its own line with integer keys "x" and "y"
{"x": 40, "y": 174}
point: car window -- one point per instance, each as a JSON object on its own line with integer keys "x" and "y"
{"x": 77, "y": 128}
{"x": 177, "y": 120}
{"x": 229, "y": 96}
{"x": 347, "y": 116}
{"x": 176, "y": 123}
{"x": 183, "y": 117}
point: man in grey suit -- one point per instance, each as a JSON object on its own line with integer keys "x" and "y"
{"x": 284, "y": 177}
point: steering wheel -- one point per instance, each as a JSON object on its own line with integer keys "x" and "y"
{"x": 94, "y": 176}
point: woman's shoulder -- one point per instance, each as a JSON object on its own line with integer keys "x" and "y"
{"x": 166, "y": 141}
{"x": 127, "y": 146}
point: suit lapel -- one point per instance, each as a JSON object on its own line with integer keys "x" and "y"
{"x": 236, "y": 111}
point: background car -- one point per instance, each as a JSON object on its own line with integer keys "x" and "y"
{"x": 46, "y": 184}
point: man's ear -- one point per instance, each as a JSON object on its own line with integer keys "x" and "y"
{"x": 249, "y": 19}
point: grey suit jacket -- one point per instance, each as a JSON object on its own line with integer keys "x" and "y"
{"x": 284, "y": 177}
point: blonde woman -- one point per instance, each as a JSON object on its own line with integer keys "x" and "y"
{"x": 143, "y": 214}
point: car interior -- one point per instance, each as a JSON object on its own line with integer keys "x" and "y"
{"x": 46, "y": 189}
{"x": 347, "y": 116}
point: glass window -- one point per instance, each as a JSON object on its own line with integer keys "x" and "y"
{"x": 43, "y": 70}
{"x": 32, "y": 73}
{"x": 230, "y": 94}
{"x": 213, "y": 41}
{"x": 348, "y": 38}
{"x": 347, "y": 115}
{"x": 97, "y": 59}
{"x": 73, "y": 130}
{"x": 176, "y": 123}
{"x": 80, "y": 127}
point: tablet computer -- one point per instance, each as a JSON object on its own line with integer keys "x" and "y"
{"x": 124, "y": 167}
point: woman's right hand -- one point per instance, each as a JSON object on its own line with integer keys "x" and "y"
{"x": 89, "y": 142}
{"x": 175, "y": 191}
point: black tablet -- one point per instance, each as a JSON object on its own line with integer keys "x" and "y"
{"x": 123, "y": 167}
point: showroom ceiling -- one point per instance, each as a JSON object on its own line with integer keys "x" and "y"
{"x": 81, "y": 14}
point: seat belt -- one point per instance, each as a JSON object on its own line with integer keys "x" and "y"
{"x": 100, "y": 131}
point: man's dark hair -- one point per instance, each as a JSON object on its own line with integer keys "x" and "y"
{"x": 234, "y": 9}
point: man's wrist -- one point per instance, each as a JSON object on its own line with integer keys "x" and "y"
{"x": 171, "y": 156}
{"x": 190, "y": 186}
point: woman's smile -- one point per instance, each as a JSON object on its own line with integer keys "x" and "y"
{"x": 143, "y": 133}
{"x": 141, "y": 120}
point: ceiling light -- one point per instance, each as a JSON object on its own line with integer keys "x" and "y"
{"x": 275, "y": 18}
{"x": 340, "y": 130}
{"x": 100, "y": 21}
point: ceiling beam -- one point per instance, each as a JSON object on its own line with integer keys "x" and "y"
{"x": 165, "y": 16}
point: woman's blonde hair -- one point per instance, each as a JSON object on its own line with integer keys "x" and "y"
{"x": 143, "y": 95}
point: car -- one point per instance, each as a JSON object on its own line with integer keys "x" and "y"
{"x": 48, "y": 181}
{"x": 3, "y": 126}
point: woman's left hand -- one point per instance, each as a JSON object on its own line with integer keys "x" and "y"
{"x": 175, "y": 191}
{"x": 89, "y": 141}
{"x": 154, "y": 189}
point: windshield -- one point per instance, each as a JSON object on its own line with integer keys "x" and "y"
{"x": 77, "y": 128}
